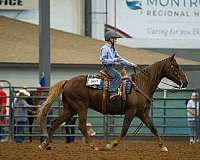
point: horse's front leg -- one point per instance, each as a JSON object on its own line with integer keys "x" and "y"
{"x": 149, "y": 123}
{"x": 126, "y": 124}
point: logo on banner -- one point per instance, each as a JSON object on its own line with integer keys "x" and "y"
{"x": 134, "y": 4}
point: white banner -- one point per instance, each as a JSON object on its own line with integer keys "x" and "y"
{"x": 18, "y": 4}
{"x": 159, "y": 23}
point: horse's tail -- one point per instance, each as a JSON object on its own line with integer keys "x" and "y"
{"x": 54, "y": 92}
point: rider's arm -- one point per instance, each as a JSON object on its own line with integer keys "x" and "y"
{"x": 191, "y": 112}
{"x": 126, "y": 62}
{"x": 104, "y": 58}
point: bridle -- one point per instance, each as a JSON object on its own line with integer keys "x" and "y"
{"x": 177, "y": 74}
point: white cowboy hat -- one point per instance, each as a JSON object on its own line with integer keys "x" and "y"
{"x": 23, "y": 91}
{"x": 89, "y": 124}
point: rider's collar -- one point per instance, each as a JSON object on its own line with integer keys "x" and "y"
{"x": 109, "y": 45}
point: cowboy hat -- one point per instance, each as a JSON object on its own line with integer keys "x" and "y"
{"x": 24, "y": 92}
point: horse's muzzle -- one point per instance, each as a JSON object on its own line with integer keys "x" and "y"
{"x": 184, "y": 81}
{"x": 185, "y": 84}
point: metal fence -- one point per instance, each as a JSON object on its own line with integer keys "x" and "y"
{"x": 168, "y": 112}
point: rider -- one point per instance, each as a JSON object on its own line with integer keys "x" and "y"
{"x": 112, "y": 61}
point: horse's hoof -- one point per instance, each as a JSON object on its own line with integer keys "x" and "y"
{"x": 115, "y": 143}
{"x": 96, "y": 148}
{"x": 48, "y": 148}
{"x": 92, "y": 146}
{"x": 164, "y": 149}
{"x": 40, "y": 147}
{"x": 108, "y": 146}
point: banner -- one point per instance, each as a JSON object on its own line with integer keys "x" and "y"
{"x": 160, "y": 23}
{"x": 18, "y": 4}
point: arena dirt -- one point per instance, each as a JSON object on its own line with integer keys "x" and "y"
{"x": 127, "y": 150}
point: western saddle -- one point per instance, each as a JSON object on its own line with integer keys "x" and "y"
{"x": 121, "y": 90}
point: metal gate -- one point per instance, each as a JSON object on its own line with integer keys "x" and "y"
{"x": 6, "y": 123}
{"x": 168, "y": 112}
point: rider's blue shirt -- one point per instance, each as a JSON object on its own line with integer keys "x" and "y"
{"x": 109, "y": 56}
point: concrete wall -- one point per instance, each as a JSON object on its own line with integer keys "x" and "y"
{"x": 28, "y": 76}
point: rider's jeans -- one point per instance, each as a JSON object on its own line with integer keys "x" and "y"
{"x": 114, "y": 72}
{"x": 20, "y": 130}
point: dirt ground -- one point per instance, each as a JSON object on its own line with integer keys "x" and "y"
{"x": 127, "y": 150}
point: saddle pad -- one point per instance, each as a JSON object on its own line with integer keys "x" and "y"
{"x": 93, "y": 82}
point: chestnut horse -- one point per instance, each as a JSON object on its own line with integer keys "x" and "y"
{"x": 77, "y": 98}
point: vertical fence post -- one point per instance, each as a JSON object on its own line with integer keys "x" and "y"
{"x": 164, "y": 110}
{"x": 106, "y": 128}
{"x": 11, "y": 110}
{"x": 198, "y": 105}
{"x": 197, "y": 118}
{"x": 112, "y": 122}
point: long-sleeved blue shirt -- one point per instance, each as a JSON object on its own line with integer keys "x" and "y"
{"x": 110, "y": 56}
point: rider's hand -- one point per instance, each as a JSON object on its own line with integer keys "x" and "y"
{"x": 133, "y": 65}
{"x": 117, "y": 63}
{"x": 117, "y": 59}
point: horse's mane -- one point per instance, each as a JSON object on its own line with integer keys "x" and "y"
{"x": 143, "y": 75}
{"x": 149, "y": 68}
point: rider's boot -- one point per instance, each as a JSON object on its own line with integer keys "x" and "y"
{"x": 113, "y": 96}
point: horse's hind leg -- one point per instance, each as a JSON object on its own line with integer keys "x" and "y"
{"x": 149, "y": 123}
{"x": 54, "y": 125}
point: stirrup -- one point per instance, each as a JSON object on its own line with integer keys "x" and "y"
{"x": 113, "y": 97}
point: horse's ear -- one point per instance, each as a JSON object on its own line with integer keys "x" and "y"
{"x": 172, "y": 57}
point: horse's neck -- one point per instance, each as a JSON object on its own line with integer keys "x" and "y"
{"x": 149, "y": 80}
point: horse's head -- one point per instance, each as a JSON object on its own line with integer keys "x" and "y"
{"x": 173, "y": 72}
